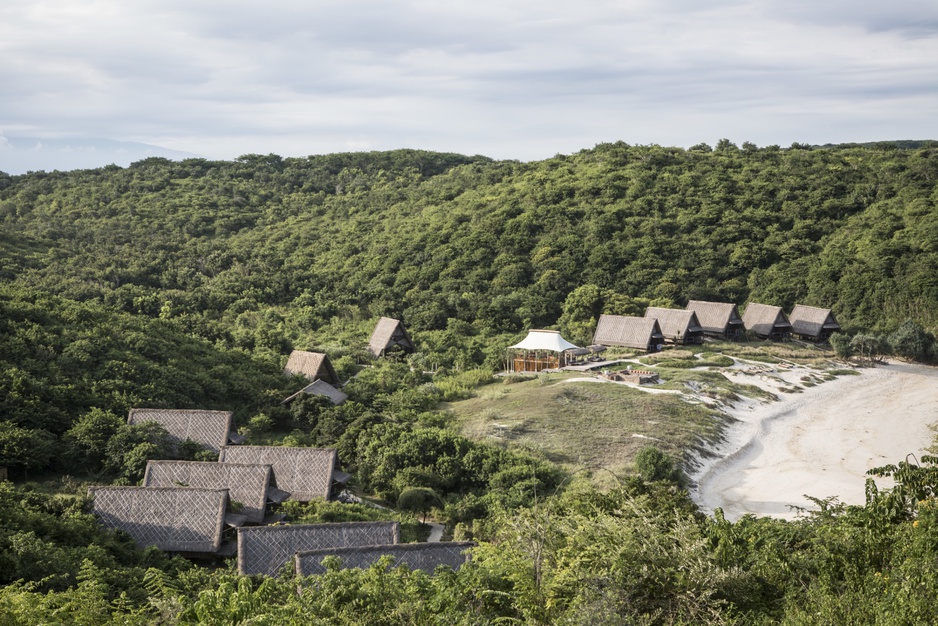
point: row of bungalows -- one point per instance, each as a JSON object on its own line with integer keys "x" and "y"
{"x": 714, "y": 319}
{"x": 223, "y": 508}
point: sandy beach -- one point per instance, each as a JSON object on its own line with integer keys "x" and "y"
{"x": 819, "y": 442}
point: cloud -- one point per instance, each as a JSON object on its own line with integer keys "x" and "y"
{"x": 520, "y": 79}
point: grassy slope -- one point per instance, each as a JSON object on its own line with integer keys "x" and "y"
{"x": 588, "y": 425}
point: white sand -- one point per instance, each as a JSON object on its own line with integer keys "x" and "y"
{"x": 819, "y": 442}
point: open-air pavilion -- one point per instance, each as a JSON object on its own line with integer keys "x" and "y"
{"x": 541, "y": 350}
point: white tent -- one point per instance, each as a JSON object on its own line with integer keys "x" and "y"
{"x": 533, "y": 348}
{"x": 550, "y": 340}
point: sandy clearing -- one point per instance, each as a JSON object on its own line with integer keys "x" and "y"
{"x": 819, "y": 442}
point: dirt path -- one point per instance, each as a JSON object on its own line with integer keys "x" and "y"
{"x": 819, "y": 442}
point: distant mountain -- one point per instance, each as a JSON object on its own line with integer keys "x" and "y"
{"x": 19, "y": 155}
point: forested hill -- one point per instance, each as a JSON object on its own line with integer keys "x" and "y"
{"x": 267, "y": 251}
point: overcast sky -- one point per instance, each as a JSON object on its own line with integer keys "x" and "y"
{"x": 504, "y": 78}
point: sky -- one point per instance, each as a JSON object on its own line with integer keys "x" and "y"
{"x": 99, "y": 81}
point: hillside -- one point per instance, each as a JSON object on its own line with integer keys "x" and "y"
{"x": 171, "y": 284}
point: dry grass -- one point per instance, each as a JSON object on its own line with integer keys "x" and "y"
{"x": 584, "y": 424}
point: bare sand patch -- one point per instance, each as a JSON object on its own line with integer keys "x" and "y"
{"x": 818, "y": 442}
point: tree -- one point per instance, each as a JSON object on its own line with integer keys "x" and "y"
{"x": 25, "y": 447}
{"x": 654, "y": 465}
{"x": 418, "y": 500}
{"x": 910, "y": 341}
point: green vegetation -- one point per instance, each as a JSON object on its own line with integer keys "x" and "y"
{"x": 186, "y": 284}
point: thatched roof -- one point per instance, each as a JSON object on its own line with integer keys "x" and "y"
{"x": 389, "y": 336}
{"x": 715, "y": 317}
{"x": 765, "y": 319}
{"x": 176, "y": 519}
{"x": 306, "y": 473}
{"x": 674, "y": 323}
{"x": 265, "y": 549}
{"x": 422, "y": 556}
{"x": 312, "y": 365}
{"x": 812, "y": 321}
{"x": 209, "y": 428}
{"x": 631, "y": 332}
{"x": 245, "y": 483}
{"x": 320, "y": 388}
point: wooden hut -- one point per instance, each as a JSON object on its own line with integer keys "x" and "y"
{"x": 718, "y": 319}
{"x": 312, "y": 365}
{"x": 320, "y": 388}
{"x": 175, "y": 519}
{"x": 679, "y": 326}
{"x": 426, "y": 557}
{"x": 765, "y": 320}
{"x": 211, "y": 429}
{"x": 266, "y": 549}
{"x": 813, "y": 323}
{"x": 390, "y": 336}
{"x": 247, "y": 484}
{"x": 305, "y": 473}
{"x": 540, "y": 350}
{"x": 629, "y": 332}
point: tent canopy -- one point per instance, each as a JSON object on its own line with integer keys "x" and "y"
{"x": 544, "y": 340}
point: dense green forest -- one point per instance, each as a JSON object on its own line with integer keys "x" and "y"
{"x": 186, "y": 284}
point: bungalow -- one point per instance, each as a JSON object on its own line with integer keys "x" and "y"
{"x": 266, "y": 549}
{"x": 175, "y": 519}
{"x": 247, "y": 484}
{"x": 767, "y": 321}
{"x": 312, "y": 365}
{"x": 813, "y": 323}
{"x": 678, "y": 326}
{"x": 211, "y": 429}
{"x": 630, "y": 332}
{"x": 718, "y": 319}
{"x": 390, "y": 336}
{"x": 305, "y": 473}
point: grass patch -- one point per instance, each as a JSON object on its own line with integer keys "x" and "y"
{"x": 587, "y": 425}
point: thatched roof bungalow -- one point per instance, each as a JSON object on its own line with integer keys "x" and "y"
{"x": 211, "y": 429}
{"x": 629, "y": 332}
{"x": 767, "y": 321}
{"x": 246, "y": 484}
{"x": 390, "y": 336}
{"x": 266, "y": 549}
{"x": 423, "y": 556}
{"x": 306, "y": 473}
{"x": 312, "y": 365}
{"x": 718, "y": 319}
{"x": 679, "y": 326}
{"x": 320, "y": 388}
{"x": 813, "y": 323}
{"x": 175, "y": 519}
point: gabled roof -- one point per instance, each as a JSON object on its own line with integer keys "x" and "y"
{"x": 176, "y": 519}
{"x": 550, "y": 340}
{"x": 765, "y": 319}
{"x": 312, "y": 365}
{"x": 423, "y": 556}
{"x": 209, "y": 428}
{"x": 246, "y": 484}
{"x": 674, "y": 322}
{"x": 306, "y": 473}
{"x": 715, "y": 317}
{"x": 811, "y": 320}
{"x": 265, "y": 549}
{"x": 389, "y": 334}
{"x": 320, "y": 388}
{"x": 631, "y": 332}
